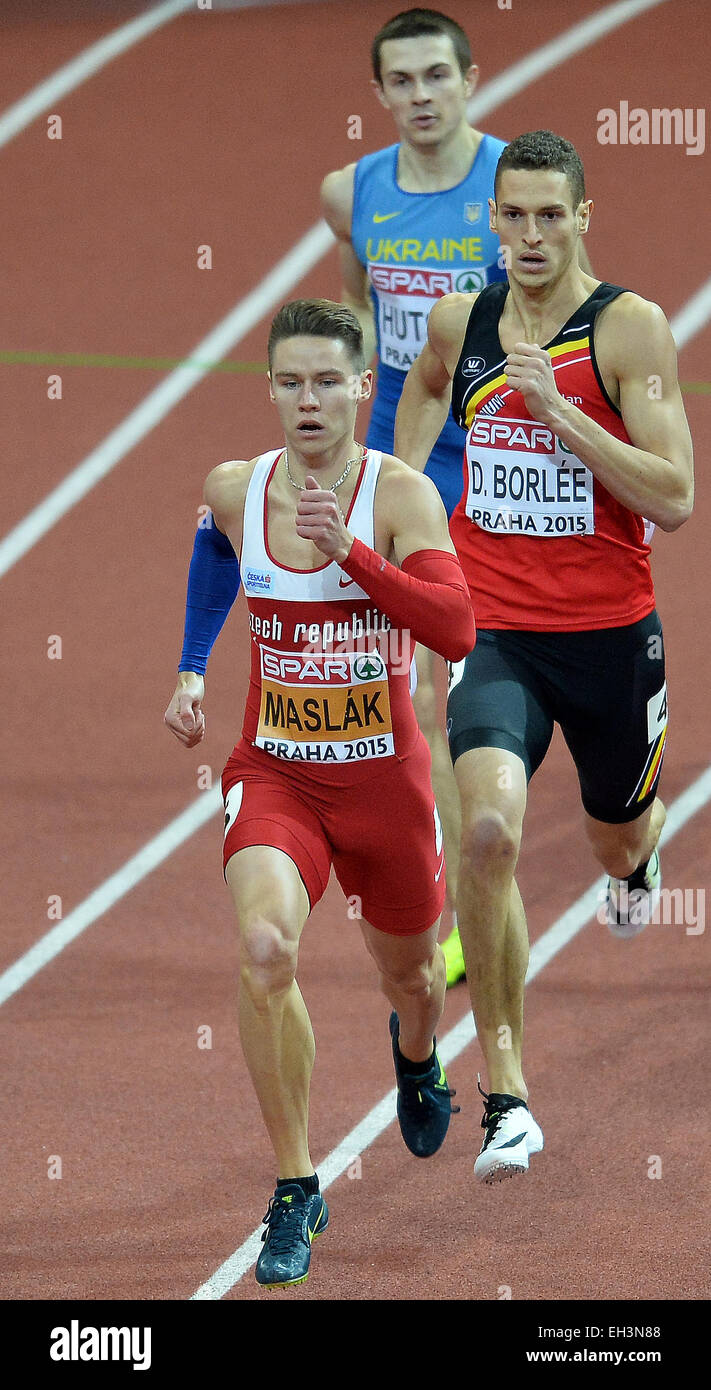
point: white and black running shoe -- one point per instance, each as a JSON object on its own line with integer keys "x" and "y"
{"x": 631, "y": 902}
{"x": 511, "y": 1136}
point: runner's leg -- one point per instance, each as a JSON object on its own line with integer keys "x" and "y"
{"x": 622, "y": 848}
{"x": 443, "y": 781}
{"x": 412, "y": 978}
{"x": 492, "y": 922}
{"x": 275, "y": 1030}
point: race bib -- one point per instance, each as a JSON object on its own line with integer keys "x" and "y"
{"x": 405, "y": 296}
{"x": 523, "y": 480}
{"x": 325, "y": 708}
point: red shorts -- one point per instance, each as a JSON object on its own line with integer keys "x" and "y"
{"x": 381, "y": 833}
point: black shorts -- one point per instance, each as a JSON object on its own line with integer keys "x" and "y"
{"x": 606, "y": 689}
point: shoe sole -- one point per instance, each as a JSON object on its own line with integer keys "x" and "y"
{"x": 291, "y": 1283}
{"x": 505, "y": 1168}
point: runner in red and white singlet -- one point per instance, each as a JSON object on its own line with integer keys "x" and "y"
{"x": 329, "y": 679}
{"x": 346, "y": 561}
{"x": 576, "y": 433}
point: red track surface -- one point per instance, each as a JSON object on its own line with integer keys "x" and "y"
{"x": 217, "y": 130}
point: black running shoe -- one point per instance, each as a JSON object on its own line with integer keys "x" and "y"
{"x": 424, "y": 1102}
{"x": 293, "y": 1220}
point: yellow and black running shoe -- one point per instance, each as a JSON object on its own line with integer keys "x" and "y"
{"x": 424, "y": 1103}
{"x": 293, "y": 1220}
{"x": 454, "y": 958}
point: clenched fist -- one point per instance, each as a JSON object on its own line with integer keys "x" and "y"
{"x": 319, "y": 519}
{"x": 184, "y": 713}
{"x": 529, "y": 370}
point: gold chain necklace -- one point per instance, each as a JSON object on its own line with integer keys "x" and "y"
{"x": 358, "y": 458}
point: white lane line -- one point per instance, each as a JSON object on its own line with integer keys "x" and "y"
{"x": 529, "y": 69}
{"x": 97, "y": 56}
{"x": 241, "y": 319}
{"x": 66, "y": 79}
{"x": 141, "y": 421}
{"x": 108, "y": 893}
{"x": 691, "y": 319}
{"x": 382, "y": 1115}
{"x": 154, "y": 407}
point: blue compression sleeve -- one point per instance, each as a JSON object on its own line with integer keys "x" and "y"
{"x": 213, "y": 585}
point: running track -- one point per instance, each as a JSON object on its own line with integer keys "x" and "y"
{"x": 217, "y": 129}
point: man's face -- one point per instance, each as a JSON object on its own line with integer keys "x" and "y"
{"x": 316, "y": 388}
{"x": 537, "y": 225}
{"x": 422, "y": 87}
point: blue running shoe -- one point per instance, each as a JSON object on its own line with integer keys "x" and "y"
{"x": 424, "y": 1103}
{"x": 293, "y": 1220}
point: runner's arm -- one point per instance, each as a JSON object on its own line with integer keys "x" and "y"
{"x": 653, "y": 475}
{"x": 337, "y": 208}
{"x": 213, "y": 576}
{"x": 213, "y": 585}
{"x": 427, "y": 595}
{"x": 427, "y": 392}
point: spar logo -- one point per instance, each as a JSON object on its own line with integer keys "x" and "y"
{"x": 368, "y": 668}
{"x": 470, "y": 282}
{"x": 399, "y": 280}
{"x": 513, "y": 434}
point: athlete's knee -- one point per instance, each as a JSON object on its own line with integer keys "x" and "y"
{"x": 269, "y": 957}
{"x": 490, "y": 841}
{"x": 414, "y": 978}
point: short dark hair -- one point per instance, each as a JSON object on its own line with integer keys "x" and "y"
{"x": 410, "y": 24}
{"x": 318, "y": 318}
{"x": 541, "y": 149}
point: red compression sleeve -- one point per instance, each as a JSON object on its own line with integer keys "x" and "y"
{"x": 428, "y": 596}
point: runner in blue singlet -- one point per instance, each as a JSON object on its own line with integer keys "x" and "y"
{"x": 412, "y": 220}
{"x": 412, "y": 224}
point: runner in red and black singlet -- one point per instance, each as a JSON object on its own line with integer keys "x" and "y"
{"x": 522, "y": 482}
{"x": 577, "y": 444}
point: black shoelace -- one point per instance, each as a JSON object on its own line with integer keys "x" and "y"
{"x": 279, "y": 1228}
{"x": 494, "y": 1110}
{"x": 443, "y": 1089}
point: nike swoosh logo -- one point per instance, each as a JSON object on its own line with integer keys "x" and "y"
{"x": 314, "y": 1232}
{"x": 510, "y": 1143}
{"x": 384, "y": 216}
{"x": 439, "y": 871}
{"x": 343, "y": 583}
